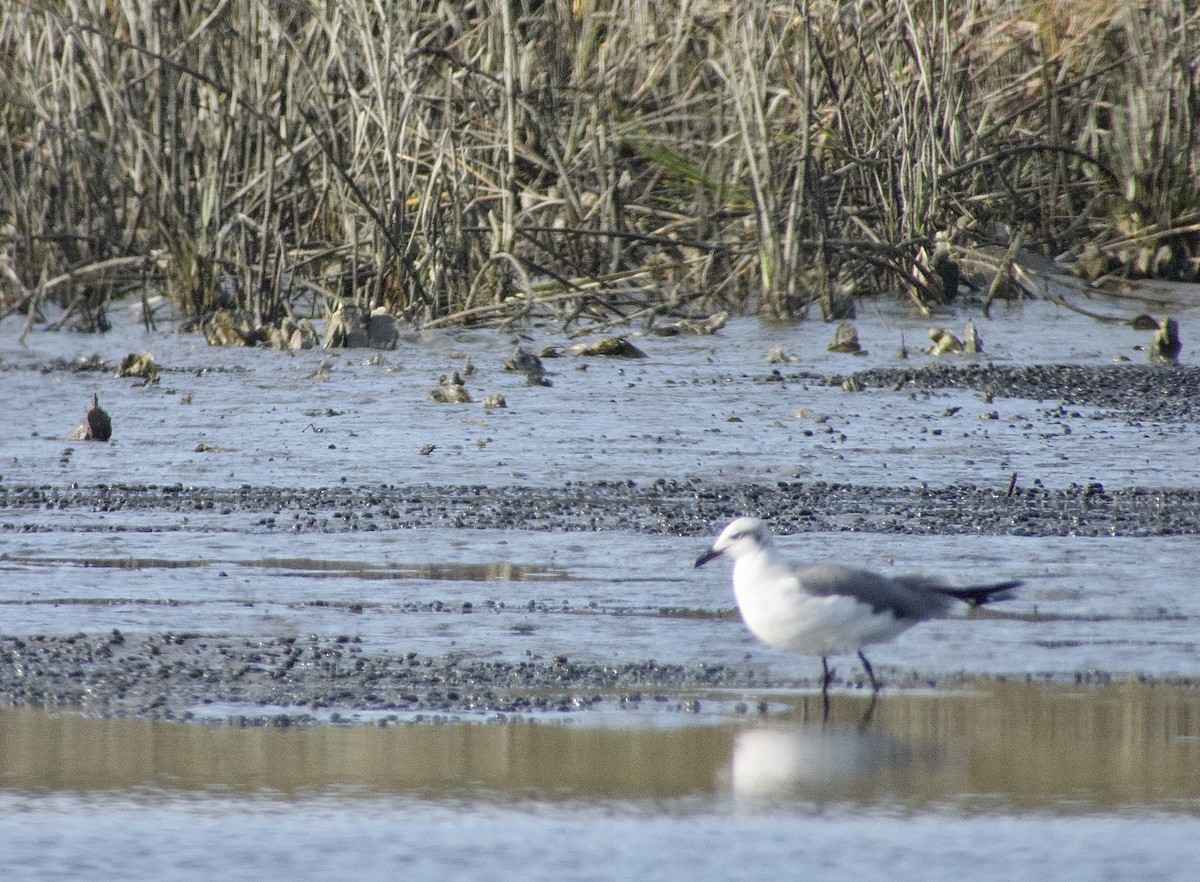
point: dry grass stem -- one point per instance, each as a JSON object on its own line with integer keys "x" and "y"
{"x": 589, "y": 163}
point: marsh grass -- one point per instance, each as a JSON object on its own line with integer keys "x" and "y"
{"x": 591, "y": 162}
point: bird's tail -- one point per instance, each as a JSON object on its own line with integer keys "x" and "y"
{"x": 978, "y": 595}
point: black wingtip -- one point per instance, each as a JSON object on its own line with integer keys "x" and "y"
{"x": 981, "y": 594}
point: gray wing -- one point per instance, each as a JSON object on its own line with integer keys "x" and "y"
{"x": 906, "y": 597}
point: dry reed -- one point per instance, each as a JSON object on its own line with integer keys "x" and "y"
{"x": 588, "y": 162}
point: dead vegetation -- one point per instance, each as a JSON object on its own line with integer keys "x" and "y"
{"x": 590, "y": 162}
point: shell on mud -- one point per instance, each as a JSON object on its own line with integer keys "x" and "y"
{"x": 449, "y": 390}
{"x": 944, "y": 342}
{"x": 1166, "y": 345}
{"x": 140, "y": 365}
{"x": 304, "y": 337}
{"x": 972, "y": 342}
{"x": 700, "y": 327}
{"x": 1093, "y": 264}
{"x": 347, "y": 328}
{"x": 96, "y": 425}
{"x": 845, "y": 339}
{"x": 226, "y": 328}
{"x": 530, "y": 365}
{"x": 609, "y": 347}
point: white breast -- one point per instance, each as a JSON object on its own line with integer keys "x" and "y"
{"x": 780, "y": 613}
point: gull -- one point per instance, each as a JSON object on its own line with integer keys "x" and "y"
{"x": 829, "y": 609}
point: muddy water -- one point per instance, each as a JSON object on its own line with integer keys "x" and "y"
{"x": 248, "y": 506}
{"x": 999, "y": 783}
{"x": 999, "y": 746}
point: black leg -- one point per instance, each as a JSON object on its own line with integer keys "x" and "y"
{"x": 870, "y": 673}
{"x": 866, "y": 720}
{"x": 826, "y": 676}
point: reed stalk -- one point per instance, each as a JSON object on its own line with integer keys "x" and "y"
{"x": 613, "y": 157}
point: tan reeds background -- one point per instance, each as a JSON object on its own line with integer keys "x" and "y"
{"x": 592, "y": 160}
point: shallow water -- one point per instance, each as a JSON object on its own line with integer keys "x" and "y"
{"x": 1000, "y": 783}
{"x": 1089, "y": 605}
{"x": 337, "y": 838}
{"x": 955, "y": 773}
{"x": 998, "y": 746}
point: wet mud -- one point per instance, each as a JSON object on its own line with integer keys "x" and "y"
{"x": 333, "y": 678}
{"x": 692, "y": 507}
{"x": 176, "y": 676}
{"x": 330, "y": 675}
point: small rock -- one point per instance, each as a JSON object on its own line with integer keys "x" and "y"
{"x": 495, "y": 402}
{"x": 382, "y": 332}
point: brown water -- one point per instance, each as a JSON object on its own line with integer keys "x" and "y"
{"x": 1007, "y": 782}
{"x": 1004, "y": 746}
